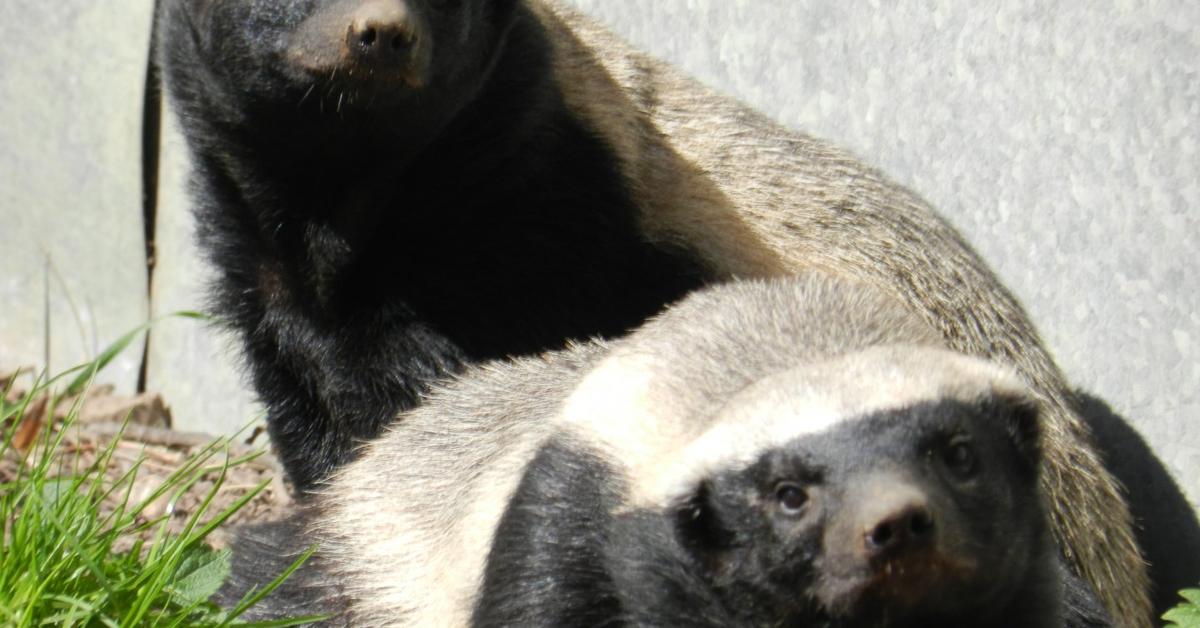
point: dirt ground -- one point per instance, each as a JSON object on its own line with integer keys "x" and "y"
{"x": 148, "y": 438}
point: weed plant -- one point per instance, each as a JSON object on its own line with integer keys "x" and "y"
{"x": 65, "y": 561}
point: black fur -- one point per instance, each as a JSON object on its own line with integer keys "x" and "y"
{"x": 730, "y": 556}
{"x": 263, "y": 552}
{"x": 547, "y": 564}
{"x": 371, "y": 237}
{"x": 1168, "y": 529}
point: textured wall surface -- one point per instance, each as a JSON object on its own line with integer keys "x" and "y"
{"x": 71, "y": 81}
{"x": 193, "y": 365}
{"x": 1062, "y": 138}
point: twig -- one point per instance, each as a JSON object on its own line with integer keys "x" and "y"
{"x": 164, "y": 436}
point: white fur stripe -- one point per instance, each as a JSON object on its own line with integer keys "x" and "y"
{"x": 619, "y": 408}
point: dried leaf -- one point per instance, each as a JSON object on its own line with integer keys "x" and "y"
{"x": 31, "y": 424}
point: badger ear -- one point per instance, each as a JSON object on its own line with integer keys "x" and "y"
{"x": 1022, "y": 421}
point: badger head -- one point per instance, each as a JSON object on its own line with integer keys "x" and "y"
{"x": 890, "y": 486}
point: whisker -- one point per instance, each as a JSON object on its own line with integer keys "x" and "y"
{"x": 308, "y": 93}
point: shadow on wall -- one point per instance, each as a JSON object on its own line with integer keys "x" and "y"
{"x": 1167, "y": 528}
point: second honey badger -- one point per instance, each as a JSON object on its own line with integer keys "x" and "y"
{"x": 392, "y": 189}
{"x": 794, "y": 453}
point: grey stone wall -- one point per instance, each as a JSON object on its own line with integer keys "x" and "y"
{"x": 72, "y": 74}
{"x": 73, "y": 261}
{"x": 193, "y": 364}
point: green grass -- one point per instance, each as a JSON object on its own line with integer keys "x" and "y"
{"x": 65, "y": 561}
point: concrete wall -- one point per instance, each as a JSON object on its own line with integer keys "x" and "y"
{"x": 193, "y": 364}
{"x": 70, "y": 182}
{"x": 73, "y": 261}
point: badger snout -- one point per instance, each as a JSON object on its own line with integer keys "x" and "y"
{"x": 381, "y": 33}
{"x": 373, "y": 43}
{"x": 884, "y": 517}
{"x": 889, "y": 545}
{"x": 895, "y": 522}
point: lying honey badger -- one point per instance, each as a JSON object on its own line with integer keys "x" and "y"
{"x": 796, "y": 452}
{"x": 394, "y": 189}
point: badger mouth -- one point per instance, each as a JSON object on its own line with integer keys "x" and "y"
{"x": 885, "y": 592}
{"x": 376, "y": 80}
{"x": 341, "y": 64}
{"x": 358, "y": 88}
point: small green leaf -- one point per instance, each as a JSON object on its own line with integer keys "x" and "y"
{"x": 112, "y": 351}
{"x": 81, "y": 381}
{"x": 200, "y": 574}
{"x": 1186, "y": 615}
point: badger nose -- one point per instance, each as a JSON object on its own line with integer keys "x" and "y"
{"x": 381, "y": 32}
{"x": 908, "y": 525}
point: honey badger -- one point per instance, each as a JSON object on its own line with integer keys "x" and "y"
{"x": 797, "y": 452}
{"x": 392, "y": 190}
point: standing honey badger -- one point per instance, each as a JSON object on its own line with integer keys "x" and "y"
{"x": 393, "y": 189}
{"x": 788, "y": 453}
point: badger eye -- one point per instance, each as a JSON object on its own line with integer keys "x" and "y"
{"x": 791, "y": 497}
{"x": 959, "y": 457}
